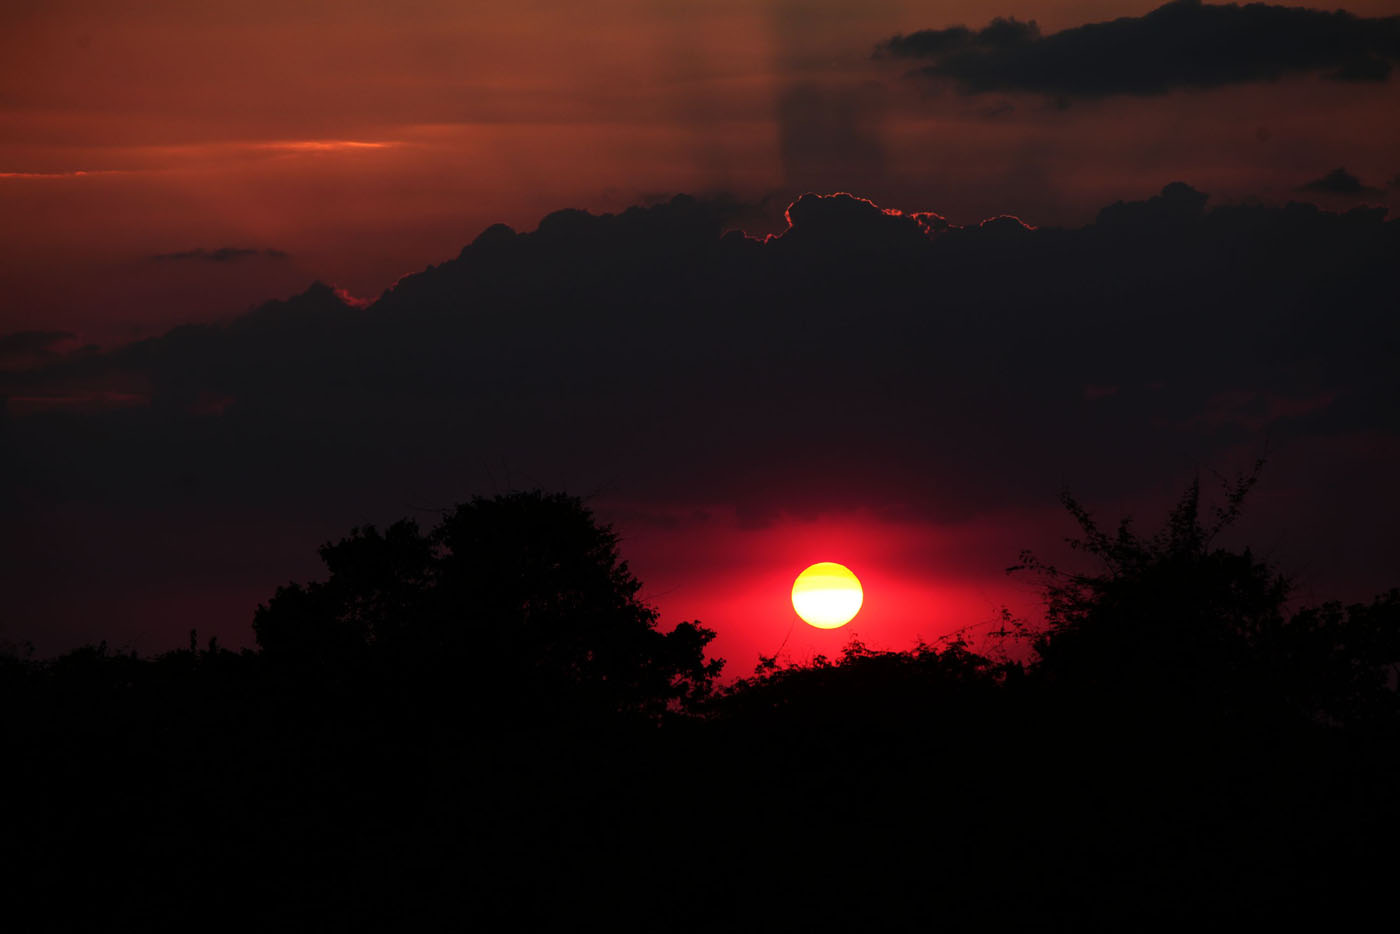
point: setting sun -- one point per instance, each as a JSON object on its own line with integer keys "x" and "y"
{"x": 827, "y": 595}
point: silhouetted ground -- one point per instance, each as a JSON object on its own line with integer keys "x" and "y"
{"x": 1121, "y": 782}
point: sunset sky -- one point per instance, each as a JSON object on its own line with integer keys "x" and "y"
{"x": 174, "y": 163}
{"x": 365, "y": 140}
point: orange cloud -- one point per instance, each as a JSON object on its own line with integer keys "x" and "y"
{"x": 325, "y": 145}
{"x": 79, "y": 173}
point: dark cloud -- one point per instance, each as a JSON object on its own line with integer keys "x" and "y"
{"x": 31, "y": 342}
{"x": 1178, "y": 205}
{"x": 1340, "y": 182}
{"x": 28, "y": 349}
{"x": 1184, "y": 44}
{"x": 224, "y": 254}
{"x": 998, "y": 36}
{"x": 865, "y": 358}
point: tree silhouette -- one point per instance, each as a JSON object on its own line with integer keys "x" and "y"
{"x": 1168, "y": 618}
{"x": 1174, "y": 624}
{"x": 1341, "y": 664}
{"x": 403, "y": 751}
{"x": 520, "y": 596}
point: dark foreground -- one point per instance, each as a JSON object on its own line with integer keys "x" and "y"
{"x": 483, "y": 727}
{"x": 158, "y": 795}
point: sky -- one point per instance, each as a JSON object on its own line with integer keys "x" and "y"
{"x": 361, "y": 141}
{"x": 907, "y": 399}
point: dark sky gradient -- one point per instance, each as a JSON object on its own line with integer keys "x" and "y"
{"x": 906, "y": 393}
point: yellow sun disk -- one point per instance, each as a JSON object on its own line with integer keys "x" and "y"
{"x": 827, "y": 595}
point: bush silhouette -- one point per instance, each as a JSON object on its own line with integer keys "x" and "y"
{"x": 1174, "y": 626}
{"x": 519, "y": 599}
{"x": 867, "y": 692}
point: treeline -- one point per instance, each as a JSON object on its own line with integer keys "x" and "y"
{"x": 483, "y": 724}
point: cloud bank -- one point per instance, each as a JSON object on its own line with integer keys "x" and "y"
{"x": 1183, "y": 44}
{"x": 865, "y": 359}
{"x": 1340, "y": 182}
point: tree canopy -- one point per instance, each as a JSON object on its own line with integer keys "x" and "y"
{"x": 1176, "y": 625}
{"x": 520, "y": 597}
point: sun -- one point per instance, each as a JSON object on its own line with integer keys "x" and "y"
{"x": 827, "y": 595}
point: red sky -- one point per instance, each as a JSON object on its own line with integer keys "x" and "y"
{"x": 355, "y": 143}
{"x": 921, "y": 581}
